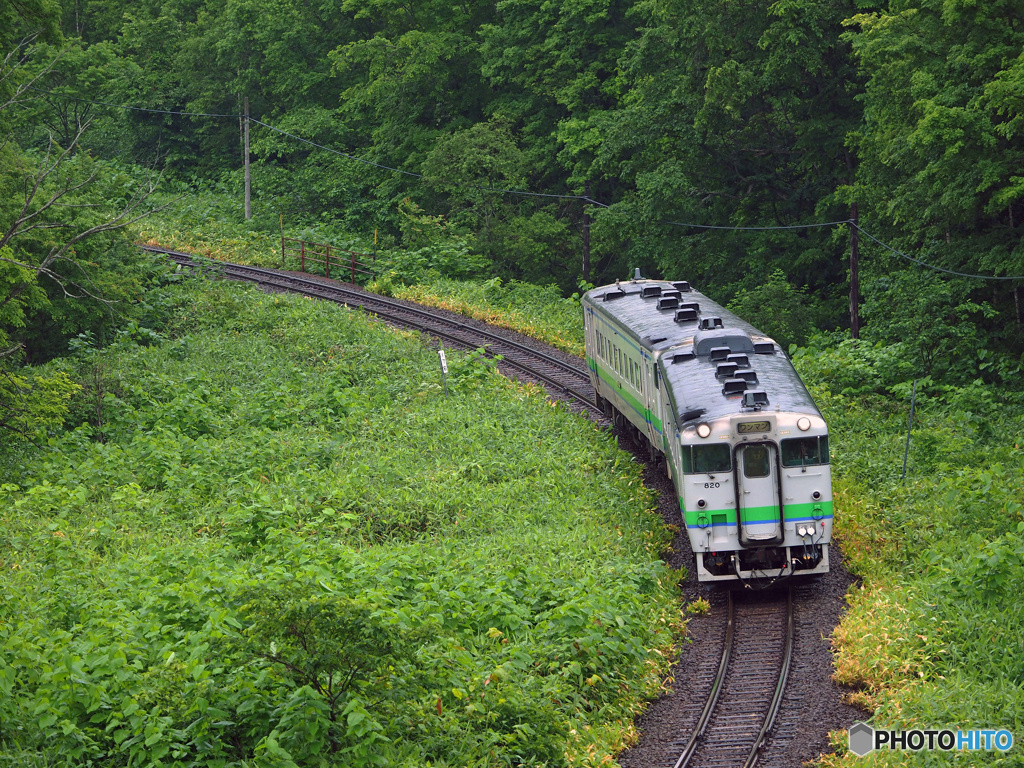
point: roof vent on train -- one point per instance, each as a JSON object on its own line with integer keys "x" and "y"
{"x": 764, "y": 348}
{"x": 650, "y": 291}
{"x": 690, "y": 305}
{"x": 725, "y": 370}
{"x": 750, "y": 376}
{"x": 682, "y": 357}
{"x": 756, "y": 399}
{"x": 682, "y": 286}
{"x": 733, "y": 386}
{"x": 710, "y": 323}
{"x": 734, "y": 340}
{"x": 614, "y": 294}
{"x": 686, "y": 315}
{"x": 672, "y": 295}
{"x": 668, "y": 302}
{"x": 654, "y": 339}
{"x": 719, "y": 353}
{"x": 693, "y": 413}
{"x": 742, "y": 361}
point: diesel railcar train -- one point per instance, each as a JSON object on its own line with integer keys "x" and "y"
{"x": 722, "y": 405}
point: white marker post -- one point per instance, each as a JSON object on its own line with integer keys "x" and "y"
{"x": 444, "y": 370}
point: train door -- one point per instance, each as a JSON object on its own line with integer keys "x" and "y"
{"x": 757, "y": 485}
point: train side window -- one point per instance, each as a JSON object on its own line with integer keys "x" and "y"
{"x": 706, "y": 459}
{"x": 805, "y": 451}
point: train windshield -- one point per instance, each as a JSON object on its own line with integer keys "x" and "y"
{"x": 805, "y": 451}
{"x": 706, "y": 459}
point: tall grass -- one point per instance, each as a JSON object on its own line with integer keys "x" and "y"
{"x": 269, "y": 538}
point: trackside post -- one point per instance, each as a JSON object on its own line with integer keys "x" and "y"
{"x": 444, "y": 370}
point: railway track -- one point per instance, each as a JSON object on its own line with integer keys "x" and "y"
{"x": 746, "y": 691}
{"x": 561, "y": 378}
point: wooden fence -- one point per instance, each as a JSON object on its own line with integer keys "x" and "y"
{"x": 321, "y": 253}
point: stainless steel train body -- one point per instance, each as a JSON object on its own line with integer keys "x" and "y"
{"x": 723, "y": 406}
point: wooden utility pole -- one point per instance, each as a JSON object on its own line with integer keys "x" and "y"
{"x": 586, "y": 234}
{"x": 245, "y": 152}
{"x": 854, "y": 274}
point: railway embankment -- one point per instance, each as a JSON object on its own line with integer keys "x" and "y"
{"x": 267, "y": 533}
{"x": 932, "y": 635}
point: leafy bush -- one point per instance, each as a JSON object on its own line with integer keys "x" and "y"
{"x": 779, "y": 309}
{"x": 270, "y": 539}
{"x": 932, "y": 636}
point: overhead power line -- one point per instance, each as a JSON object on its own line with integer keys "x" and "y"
{"x": 583, "y": 198}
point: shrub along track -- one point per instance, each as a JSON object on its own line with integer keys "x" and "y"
{"x": 734, "y": 671}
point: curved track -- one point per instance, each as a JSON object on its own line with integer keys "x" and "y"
{"x": 747, "y": 690}
{"x": 570, "y": 381}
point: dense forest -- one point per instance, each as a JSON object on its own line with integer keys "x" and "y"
{"x": 561, "y": 143}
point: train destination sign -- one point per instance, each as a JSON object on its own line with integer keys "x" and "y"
{"x": 746, "y": 427}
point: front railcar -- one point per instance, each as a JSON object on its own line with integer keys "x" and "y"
{"x": 741, "y": 437}
{"x": 752, "y": 462}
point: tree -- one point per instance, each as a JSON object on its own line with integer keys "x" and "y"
{"x": 733, "y": 114}
{"x": 942, "y": 146}
{"x": 64, "y": 264}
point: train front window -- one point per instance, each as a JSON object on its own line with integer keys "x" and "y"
{"x": 706, "y": 459}
{"x": 756, "y": 461}
{"x": 805, "y": 451}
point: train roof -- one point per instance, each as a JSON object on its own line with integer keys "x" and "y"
{"x": 690, "y": 356}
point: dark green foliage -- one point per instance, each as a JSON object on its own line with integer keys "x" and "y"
{"x": 779, "y": 309}
{"x": 749, "y": 113}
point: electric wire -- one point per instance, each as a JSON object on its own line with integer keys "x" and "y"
{"x": 583, "y": 198}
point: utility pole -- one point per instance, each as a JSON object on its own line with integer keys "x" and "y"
{"x": 248, "y": 200}
{"x": 854, "y": 274}
{"x": 586, "y": 234}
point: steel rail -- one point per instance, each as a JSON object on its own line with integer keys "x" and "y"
{"x": 716, "y": 689}
{"x": 275, "y": 278}
{"x": 780, "y": 687}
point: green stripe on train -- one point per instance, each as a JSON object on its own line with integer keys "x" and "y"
{"x": 793, "y": 512}
{"x": 607, "y": 377}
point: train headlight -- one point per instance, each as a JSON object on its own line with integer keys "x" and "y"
{"x": 816, "y": 495}
{"x": 703, "y": 430}
{"x": 803, "y": 424}
{"x": 802, "y": 530}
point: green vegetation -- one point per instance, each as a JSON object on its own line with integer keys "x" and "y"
{"x": 932, "y": 636}
{"x": 242, "y": 515}
{"x": 533, "y": 310}
{"x": 901, "y": 113}
{"x": 273, "y": 539}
